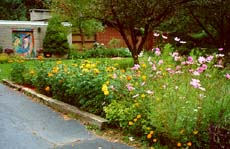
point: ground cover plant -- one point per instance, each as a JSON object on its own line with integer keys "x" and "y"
{"x": 167, "y": 99}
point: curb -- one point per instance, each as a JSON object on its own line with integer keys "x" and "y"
{"x": 89, "y": 118}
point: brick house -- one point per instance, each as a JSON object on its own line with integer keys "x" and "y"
{"x": 105, "y": 37}
{"x": 26, "y": 37}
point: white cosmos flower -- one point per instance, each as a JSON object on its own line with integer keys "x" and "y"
{"x": 177, "y": 39}
{"x": 164, "y": 37}
{"x": 183, "y": 42}
{"x": 156, "y": 34}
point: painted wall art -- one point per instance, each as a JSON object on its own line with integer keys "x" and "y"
{"x": 23, "y": 42}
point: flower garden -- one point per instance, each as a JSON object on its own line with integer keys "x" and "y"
{"x": 167, "y": 100}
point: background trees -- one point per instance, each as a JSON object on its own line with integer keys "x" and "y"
{"x": 19, "y": 9}
{"x": 133, "y": 19}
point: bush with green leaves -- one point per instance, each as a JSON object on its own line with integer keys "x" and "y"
{"x": 55, "y": 41}
{"x": 101, "y": 53}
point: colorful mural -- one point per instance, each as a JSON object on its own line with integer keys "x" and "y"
{"x": 23, "y": 42}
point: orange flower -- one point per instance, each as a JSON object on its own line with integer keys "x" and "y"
{"x": 47, "y": 89}
{"x": 149, "y": 136}
{"x": 189, "y": 143}
{"x": 128, "y": 78}
{"x": 179, "y": 144}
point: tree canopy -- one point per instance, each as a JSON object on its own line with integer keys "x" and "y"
{"x": 19, "y": 9}
{"x": 133, "y": 19}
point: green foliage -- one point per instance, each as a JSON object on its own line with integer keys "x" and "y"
{"x": 100, "y": 52}
{"x": 165, "y": 100}
{"x": 17, "y": 73}
{"x": 55, "y": 41}
{"x": 153, "y": 101}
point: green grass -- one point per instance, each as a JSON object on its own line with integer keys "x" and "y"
{"x": 123, "y": 63}
{"x": 5, "y": 71}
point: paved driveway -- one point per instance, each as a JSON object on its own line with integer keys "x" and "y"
{"x": 25, "y": 124}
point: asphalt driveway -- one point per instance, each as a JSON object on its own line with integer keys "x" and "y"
{"x": 25, "y": 124}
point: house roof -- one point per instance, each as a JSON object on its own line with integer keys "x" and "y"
{"x": 12, "y": 22}
{"x": 38, "y": 23}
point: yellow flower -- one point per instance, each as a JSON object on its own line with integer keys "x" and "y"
{"x": 151, "y": 132}
{"x": 87, "y": 66}
{"x": 50, "y": 74}
{"x": 85, "y": 70}
{"x": 96, "y": 71}
{"x": 182, "y": 131}
{"x": 47, "y": 89}
{"x": 189, "y": 143}
{"x": 155, "y": 140}
{"x": 104, "y": 87}
{"x": 135, "y": 119}
{"x": 32, "y": 72}
{"x": 137, "y": 104}
{"x": 58, "y": 62}
{"x": 142, "y": 95}
{"x": 106, "y": 92}
{"x": 55, "y": 70}
{"x": 138, "y": 116}
{"x": 130, "y": 123}
{"x": 149, "y": 136}
{"x": 195, "y": 132}
{"x": 144, "y": 78}
{"x": 122, "y": 70}
{"x": 179, "y": 144}
{"x": 143, "y": 65}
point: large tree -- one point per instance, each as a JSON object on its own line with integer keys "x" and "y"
{"x": 134, "y": 19}
{"x": 213, "y": 16}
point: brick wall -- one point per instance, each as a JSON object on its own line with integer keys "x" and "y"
{"x": 109, "y": 33}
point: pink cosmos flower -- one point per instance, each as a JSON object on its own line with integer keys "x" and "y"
{"x": 135, "y": 67}
{"x": 158, "y": 53}
{"x": 201, "y": 60}
{"x": 177, "y": 58}
{"x": 130, "y": 87}
{"x": 209, "y": 58}
{"x": 154, "y": 68}
{"x": 190, "y": 59}
{"x": 174, "y": 54}
{"x": 221, "y": 49}
{"x": 196, "y": 73}
{"x": 227, "y": 76}
{"x": 195, "y": 83}
{"x": 204, "y": 66}
{"x": 160, "y": 62}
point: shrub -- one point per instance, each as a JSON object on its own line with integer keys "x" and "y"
{"x": 17, "y": 73}
{"x": 55, "y": 41}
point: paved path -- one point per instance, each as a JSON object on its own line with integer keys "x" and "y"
{"x": 25, "y": 124}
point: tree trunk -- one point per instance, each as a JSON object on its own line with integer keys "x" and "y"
{"x": 135, "y": 57}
